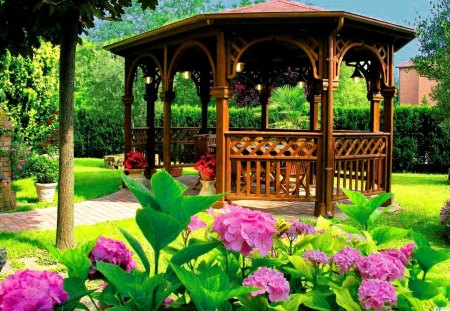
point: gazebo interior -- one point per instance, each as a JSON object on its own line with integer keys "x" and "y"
{"x": 270, "y": 44}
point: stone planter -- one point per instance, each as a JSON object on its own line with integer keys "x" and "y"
{"x": 2, "y": 258}
{"x": 208, "y": 187}
{"x": 137, "y": 174}
{"x": 45, "y": 192}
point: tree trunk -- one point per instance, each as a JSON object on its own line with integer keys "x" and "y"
{"x": 65, "y": 221}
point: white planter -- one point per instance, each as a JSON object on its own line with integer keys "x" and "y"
{"x": 45, "y": 192}
{"x": 208, "y": 187}
{"x": 138, "y": 175}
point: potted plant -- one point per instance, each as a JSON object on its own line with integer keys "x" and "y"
{"x": 135, "y": 165}
{"x": 45, "y": 169}
{"x": 206, "y": 167}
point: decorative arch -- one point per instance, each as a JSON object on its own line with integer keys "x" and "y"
{"x": 379, "y": 52}
{"x": 134, "y": 66}
{"x": 311, "y": 49}
{"x": 179, "y": 53}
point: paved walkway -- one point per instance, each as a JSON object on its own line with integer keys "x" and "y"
{"x": 123, "y": 205}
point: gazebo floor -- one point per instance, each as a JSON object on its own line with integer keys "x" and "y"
{"x": 278, "y": 208}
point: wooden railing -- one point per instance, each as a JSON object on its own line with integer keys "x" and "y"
{"x": 272, "y": 165}
{"x": 360, "y": 162}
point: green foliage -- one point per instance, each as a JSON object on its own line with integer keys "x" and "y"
{"x": 349, "y": 93}
{"x": 45, "y": 169}
{"x": 289, "y": 108}
{"x": 433, "y": 61}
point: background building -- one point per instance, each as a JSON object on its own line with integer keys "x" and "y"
{"x": 414, "y": 89}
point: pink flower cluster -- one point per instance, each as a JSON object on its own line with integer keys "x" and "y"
{"x": 195, "y": 224}
{"x": 299, "y": 228}
{"x": 242, "y": 229}
{"x": 270, "y": 281}
{"x": 346, "y": 259}
{"x": 377, "y": 294}
{"x": 403, "y": 254}
{"x": 113, "y": 252}
{"x": 316, "y": 257}
{"x": 32, "y": 290}
{"x": 381, "y": 266}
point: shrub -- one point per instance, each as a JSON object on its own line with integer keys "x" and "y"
{"x": 445, "y": 221}
{"x": 45, "y": 168}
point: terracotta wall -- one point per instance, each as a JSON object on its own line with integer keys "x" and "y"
{"x": 412, "y": 87}
{"x": 5, "y": 161}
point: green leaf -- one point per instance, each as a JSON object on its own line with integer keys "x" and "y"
{"x": 427, "y": 257}
{"x": 137, "y": 248}
{"x": 378, "y": 200}
{"x": 258, "y": 303}
{"x": 193, "y": 251}
{"x": 142, "y": 194}
{"x": 192, "y": 205}
{"x": 324, "y": 242}
{"x": 356, "y": 197}
{"x": 349, "y": 228}
{"x": 158, "y": 228}
{"x": 344, "y": 299}
{"x": 167, "y": 192}
{"x": 420, "y": 239}
{"x": 302, "y": 267}
{"x": 76, "y": 289}
{"x": 315, "y": 300}
{"x": 359, "y": 214}
{"x": 423, "y": 290}
{"x": 385, "y": 234}
{"x": 76, "y": 261}
{"x": 376, "y": 214}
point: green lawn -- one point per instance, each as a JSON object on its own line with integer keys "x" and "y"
{"x": 92, "y": 180}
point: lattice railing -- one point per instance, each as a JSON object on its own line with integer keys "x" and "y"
{"x": 360, "y": 162}
{"x": 182, "y": 144}
{"x": 272, "y": 165}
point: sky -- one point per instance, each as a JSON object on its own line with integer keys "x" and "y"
{"x": 402, "y": 12}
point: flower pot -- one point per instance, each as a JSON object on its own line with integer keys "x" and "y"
{"x": 45, "y": 192}
{"x": 206, "y": 177}
{"x": 137, "y": 174}
{"x": 208, "y": 187}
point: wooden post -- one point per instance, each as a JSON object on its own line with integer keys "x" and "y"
{"x": 150, "y": 97}
{"x": 127, "y": 102}
{"x": 375, "y": 99}
{"x": 264, "y": 98}
{"x": 388, "y": 113}
{"x": 314, "y": 112}
{"x": 167, "y": 97}
{"x": 205, "y": 97}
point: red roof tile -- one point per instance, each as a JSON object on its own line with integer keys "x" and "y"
{"x": 406, "y": 65}
{"x": 276, "y": 6}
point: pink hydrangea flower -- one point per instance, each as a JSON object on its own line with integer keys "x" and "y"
{"x": 377, "y": 295}
{"x": 396, "y": 254}
{"x": 316, "y": 257}
{"x": 346, "y": 259}
{"x": 299, "y": 228}
{"x": 381, "y": 266}
{"x": 113, "y": 252}
{"x": 270, "y": 281}
{"x": 167, "y": 301}
{"x": 244, "y": 230}
{"x": 195, "y": 224}
{"x": 32, "y": 290}
{"x": 408, "y": 250}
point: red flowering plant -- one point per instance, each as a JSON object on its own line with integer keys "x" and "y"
{"x": 135, "y": 159}
{"x": 206, "y": 166}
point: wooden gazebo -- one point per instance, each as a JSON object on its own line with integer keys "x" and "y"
{"x": 266, "y": 39}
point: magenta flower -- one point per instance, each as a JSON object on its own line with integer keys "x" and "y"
{"x": 396, "y": 254}
{"x": 316, "y": 257}
{"x": 195, "y": 224}
{"x": 167, "y": 301}
{"x": 270, "y": 281}
{"x": 346, "y": 259}
{"x": 381, "y": 266}
{"x": 408, "y": 250}
{"x": 19, "y": 167}
{"x": 242, "y": 229}
{"x": 299, "y": 228}
{"x": 113, "y": 252}
{"x": 377, "y": 295}
{"x": 32, "y": 290}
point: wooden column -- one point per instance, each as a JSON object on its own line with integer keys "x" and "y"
{"x": 388, "y": 127}
{"x": 205, "y": 97}
{"x": 167, "y": 97}
{"x": 375, "y": 100}
{"x": 127, "y": 102}
{"x": 150, "y": 97}
{"x": 264, "y": 99}
{"x": 314, "y": 112}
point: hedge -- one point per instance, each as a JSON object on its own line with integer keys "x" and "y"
{"x": 421, "y": 144}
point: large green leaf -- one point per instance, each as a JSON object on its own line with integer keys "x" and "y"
{"x": 191, "y": 205}
{"x": 302, "y": 267}
{"x": 387, "y": 234}
{"x": 158, "y": 228}
{"x": 258, "y": 303}
{"x": 427, "y": 257}
{"x": 76, "y": 289}
{"x": 137, "y": 248}
{"x": 357, "y": 213}
{"x": 423, "y": 290}
{"x": 167, "y": 192}
{"x": 356, "y": 197}
{"x": 76, "y": 260}
{"x": 420, "y": 239}
{"x": 344, "y": 299}
{"x": 193, "y": 251}
{"x": 142, "y": 194}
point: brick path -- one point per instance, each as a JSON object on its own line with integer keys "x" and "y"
{"x": 123, "y": 205}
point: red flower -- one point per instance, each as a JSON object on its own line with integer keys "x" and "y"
{"x": 206, "y": 165}
{"x": 135, "y": 159}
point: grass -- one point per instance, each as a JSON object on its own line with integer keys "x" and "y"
{"x": 92, "y": 180}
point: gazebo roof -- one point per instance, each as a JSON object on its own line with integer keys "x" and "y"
{"x": 275, "y": 6}
{"x": 276, "y": 12}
